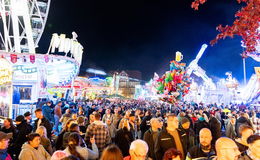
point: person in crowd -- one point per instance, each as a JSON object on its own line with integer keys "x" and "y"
{"x": 59, "y": 140}
{"x": 59, "y": 155}
{"x": 111, "y": 129}
{"x": 82, "y": 126}
{"x": 230, "y": 129}
{"x": 201, "y": 123}
{"x": 138, "y": 150}
{"x": 23, "y": 129}
{"x": 74, "y": 128}
{"x": 215, "y": 127}
{"x": 28, "y": 117}
{"x": 42, "y": 121}
{"x": 33, "y": 150}
{"x": 256, "y": 123}
{"x": 116, "y": 117}
{"x": 242, "y": 120}
{"x": 145, "y": 124}
{"x": 107, "y": 115}
{"x": 226, "y": 149}
{"x": 111, "y": 152}
{"x": 82, "y": 153}
{"x": 4, "y": 141}
{"x": 187, "y": 132}
{"x": 57, "y": 116}
{"x": 170, "y": 137}
{"x": 172, "y": 154}
{"x": 8, "y": 127}
{"x": 245, "y": 131}
{"x": 47, "y": 111}
{"x": 100, "y": 131}
{"x": 126, "y": 116}
{"x": 124, "y": 138}
{"x": 205, "y": 149}
{"x": 253, "y": 152}
{"x": 74, "y": 116}
{"x": 45, "y": 142}
{"x": 150, "y": 136}
{"x": 133, "y": 125}
{"x": 65, "y": 117}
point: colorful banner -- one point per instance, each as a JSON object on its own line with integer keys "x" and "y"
{"x": 6, "y": 89}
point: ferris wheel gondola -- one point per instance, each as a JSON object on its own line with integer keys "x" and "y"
{"x": 22, "y": 24}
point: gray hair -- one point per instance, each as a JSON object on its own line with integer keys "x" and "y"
{"x": 139, "y": 144}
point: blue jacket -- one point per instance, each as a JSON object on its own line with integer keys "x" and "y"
{"x": 48, "y": 113}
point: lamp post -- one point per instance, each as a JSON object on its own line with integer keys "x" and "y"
{"x": 244, "y": 69}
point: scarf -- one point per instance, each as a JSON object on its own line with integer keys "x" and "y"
{"x": 3, "y": 154}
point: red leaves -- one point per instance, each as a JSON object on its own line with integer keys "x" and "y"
{"x": 245, "y": 25}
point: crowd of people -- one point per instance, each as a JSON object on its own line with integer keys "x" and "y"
{"x": 132, "y": 130}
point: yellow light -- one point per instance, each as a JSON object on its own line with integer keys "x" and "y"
{"x": 5, "y": 72}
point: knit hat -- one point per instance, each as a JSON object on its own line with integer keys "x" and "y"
{"x": 184, "y": 120}
{"x": 58, "y": 155}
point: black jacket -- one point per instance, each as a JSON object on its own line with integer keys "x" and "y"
{"x": 123, "y": 140}
{"x": 23, "y": 129}
{"x": 148, "y": 138}
{"x": 166, "y": 141}
{"x": 189, "y": 136}
{"x": 215, "y": 128}
{"x": 45, "y": 122}
{"x": 145, "y": 125}
{"x": 196, "y": 153}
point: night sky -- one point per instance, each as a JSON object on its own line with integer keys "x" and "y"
{"x": 145, "y": 34}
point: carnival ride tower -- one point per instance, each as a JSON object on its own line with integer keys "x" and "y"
{"x": 22, "y": 23}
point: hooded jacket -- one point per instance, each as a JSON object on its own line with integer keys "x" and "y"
{"x": 30, "y": 153}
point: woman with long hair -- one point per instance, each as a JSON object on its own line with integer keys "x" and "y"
{"x": 45, "y": 142}
{"x": 112, "y": 152}
{"x": 59, "y": 141}
{"x": 82, "y": 153}
{"x": 124, "y": 137}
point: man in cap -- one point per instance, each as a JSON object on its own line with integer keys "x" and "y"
{"x": 4, "y": 141}
{"x": 28, "y": 117}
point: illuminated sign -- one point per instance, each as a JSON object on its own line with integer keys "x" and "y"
{"x": 25, "y": 73}
{"x": 5, "y": 72}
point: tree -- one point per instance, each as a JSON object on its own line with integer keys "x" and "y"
{"x": 245, "y": 25}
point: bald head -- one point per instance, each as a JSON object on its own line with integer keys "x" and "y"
{"x": 205, "y": 131}
{"x": 205, "y": 138}
{"x": 224, "y": 142}
{"x": 227, "y": 149}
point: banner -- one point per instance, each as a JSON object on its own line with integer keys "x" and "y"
{"x": 6, "y": 90}
{"x": 32, "y": 58}
{"x": 13, "y": 58}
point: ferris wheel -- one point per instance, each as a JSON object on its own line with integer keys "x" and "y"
{"x": 21, "y": 24}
